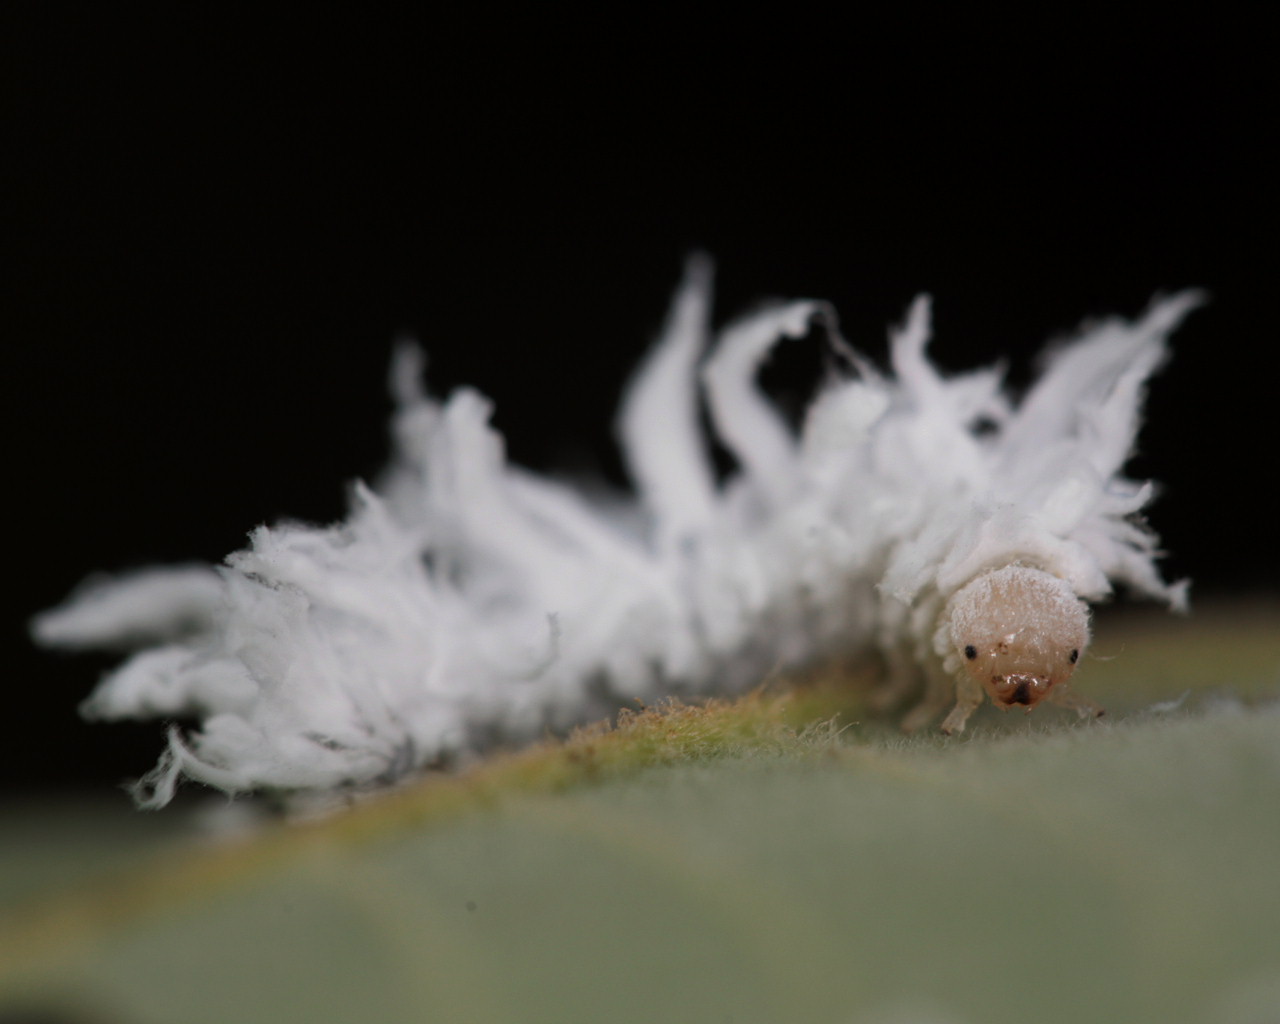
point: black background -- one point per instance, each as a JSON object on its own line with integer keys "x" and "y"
{"x": 214, "y": 230}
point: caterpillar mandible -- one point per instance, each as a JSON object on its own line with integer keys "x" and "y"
{"x": 938, "y": 521}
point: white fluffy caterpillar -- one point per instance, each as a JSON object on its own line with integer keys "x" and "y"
{"x": 933, "y": 519}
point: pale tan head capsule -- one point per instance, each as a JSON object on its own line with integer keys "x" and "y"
{"x": 1018, "y": 632}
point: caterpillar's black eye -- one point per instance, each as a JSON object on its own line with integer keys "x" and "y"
{"x": 1075, "y": 656}
{"x": 971, "y": 652}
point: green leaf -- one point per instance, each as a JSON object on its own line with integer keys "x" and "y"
{"x": 728, "y": 863}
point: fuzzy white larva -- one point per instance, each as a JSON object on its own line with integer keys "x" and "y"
{"x": 464, "y": 600}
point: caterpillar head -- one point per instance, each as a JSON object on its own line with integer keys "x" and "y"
{"x": 1019, "y": 633}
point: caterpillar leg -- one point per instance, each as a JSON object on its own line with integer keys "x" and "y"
{"x": 1072, "y": 701}
{"x": 968, "y": 698}
{"x": 939, "y": 688}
